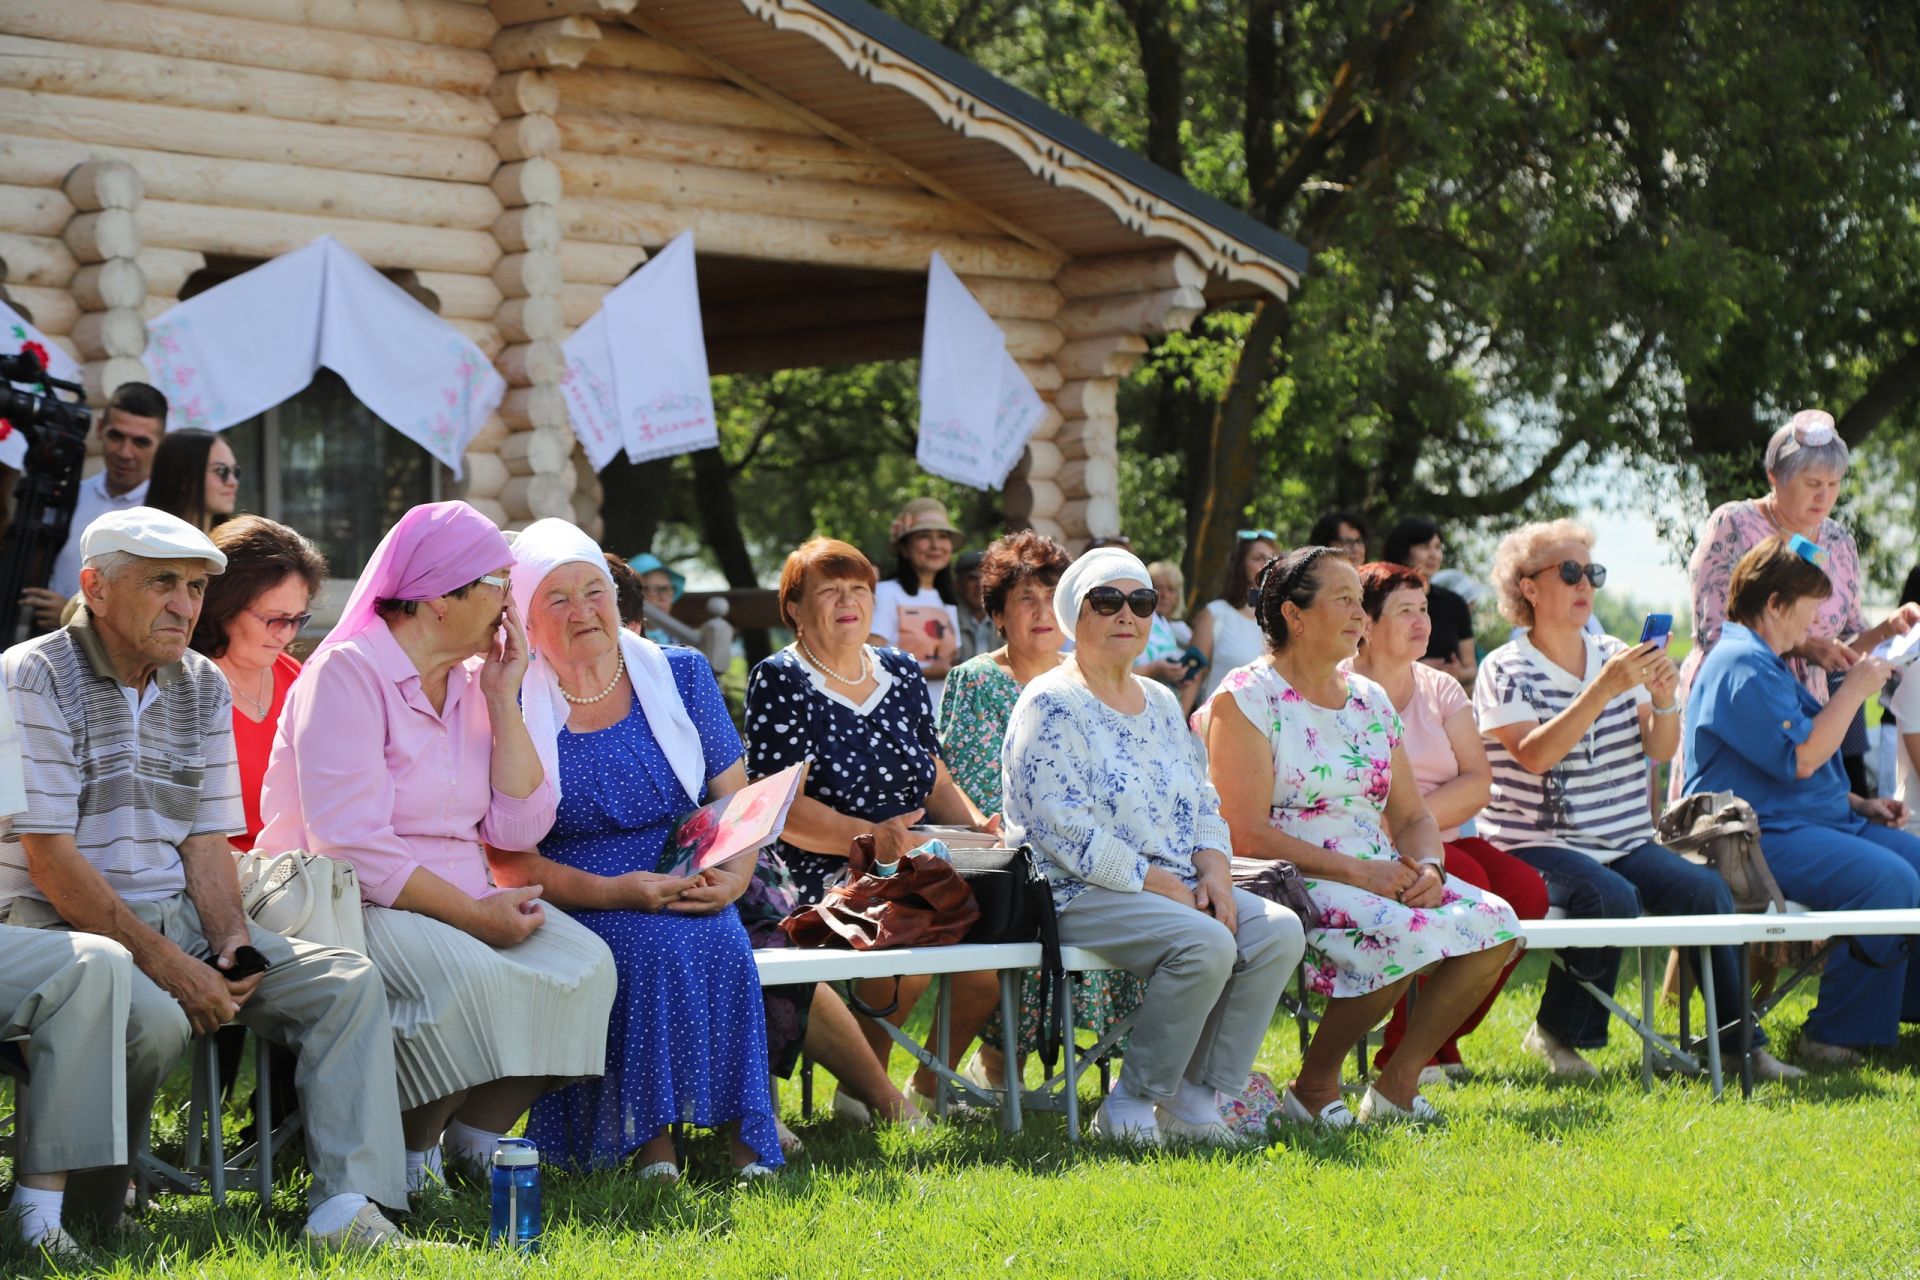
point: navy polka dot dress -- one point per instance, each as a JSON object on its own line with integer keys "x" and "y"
{"x": 688, "y": 1037}
{"x": 875, "y": 761}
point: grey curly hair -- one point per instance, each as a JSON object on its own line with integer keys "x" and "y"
{"x": 1519, "y": 555}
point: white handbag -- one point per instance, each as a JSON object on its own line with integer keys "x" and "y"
{"x": 305, "y": 896}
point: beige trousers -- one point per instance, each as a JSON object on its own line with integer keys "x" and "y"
{"x": 325, "y": 1004}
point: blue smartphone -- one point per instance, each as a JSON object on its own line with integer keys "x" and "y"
{"x": 1658, "y": 626}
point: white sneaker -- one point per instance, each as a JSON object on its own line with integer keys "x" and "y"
{"x": 1335, "y": 1115}
{"x": 369, "y": 1229}
{"x": 665, "y": 1171}
{"x": 1768, "y": 1067}
{"x": 1431, "y": 1074}
{"x": 57, "y": 1245}
{"x": 851, "y": 1109}
{"x": 1141, "y": 1128}
{"x": 1377, "y": 1107}
{"x": 1212, "y": 1134}
{"x": 1562, "y": 1060}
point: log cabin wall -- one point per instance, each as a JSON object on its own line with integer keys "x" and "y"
{"x": 517, "y": 160}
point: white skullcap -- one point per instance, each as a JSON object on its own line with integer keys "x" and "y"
{"x": 151, "y": 534}
{"x": 1094, "y": 569}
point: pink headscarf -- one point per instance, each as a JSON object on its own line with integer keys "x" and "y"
{"x": 437, "y": 547}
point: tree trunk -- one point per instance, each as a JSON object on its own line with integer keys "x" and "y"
{"x": 636, "y": 496}
{"x": 720, "y": 526}
{"x": 1222, "y": 461}
{"x": 1162, "y": 64}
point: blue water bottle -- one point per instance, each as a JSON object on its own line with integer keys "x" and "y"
{"x": 516, "y": 1195}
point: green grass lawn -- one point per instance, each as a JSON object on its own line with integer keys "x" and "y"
{"x": 1529, "y": 1179}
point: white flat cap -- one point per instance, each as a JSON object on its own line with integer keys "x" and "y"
{"x": 152, "y": 534}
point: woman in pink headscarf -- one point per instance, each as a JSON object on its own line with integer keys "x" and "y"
{"x": 402, "y": 751}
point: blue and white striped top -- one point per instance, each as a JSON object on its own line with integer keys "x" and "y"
{"x": 1595, "y": 801}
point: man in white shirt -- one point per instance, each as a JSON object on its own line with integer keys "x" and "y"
{"x": 130, "y": 431}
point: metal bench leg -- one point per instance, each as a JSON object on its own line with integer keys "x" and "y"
{"x": 1010, "y": 1078}
{"x": 1746, "y": 1023}
{"x": 206, "y": 1085}
{"x": 1712, "y": 1029}
{"x": 263, "y": 1120}
{"x": 1646, "y": 1015}
{"x": 806, "y": 1088}
{"x": 1071, "y": 1052}
{"x": 943, "y": 1012}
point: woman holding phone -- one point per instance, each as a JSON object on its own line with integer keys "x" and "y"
{"x": 1570, "y": 720}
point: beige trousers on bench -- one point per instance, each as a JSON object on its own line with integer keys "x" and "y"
{"x": 1210, "y": 993}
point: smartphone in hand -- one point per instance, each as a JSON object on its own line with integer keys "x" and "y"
{"x": 1658, "y": 626}
{"x": 247, "y": 961}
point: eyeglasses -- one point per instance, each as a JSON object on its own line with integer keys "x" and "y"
{"x": 1571, "y": 571}
{"x": 1361, "y": 543}
{"x": 1257, "y": 535}
{"x": 227, "y": 474}
{"x": 1106, "y": 601}
{"x": 499, "y": 580}
{"x": 287, "y": 627}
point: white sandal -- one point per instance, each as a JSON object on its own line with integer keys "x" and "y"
{"x": 661, "y": 1171}
{"x": 1335, "y": 1115}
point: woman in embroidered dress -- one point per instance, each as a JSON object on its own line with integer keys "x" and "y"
{"x": 862, "y": 716}
{"x": 1310, "y": 768}
{"x": 1018, "y": 576}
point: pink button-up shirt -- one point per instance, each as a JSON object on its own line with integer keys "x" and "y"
{"x": 365, "y": 770}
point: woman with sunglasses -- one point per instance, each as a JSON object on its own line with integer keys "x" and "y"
{"x": 1102, "y": 779}
{"x": 403, "y": 751}
{"x": 1806, "y": 463}
{"x": 250, "y": 614}
{"x": 1571, "y": 720}
{"x": 195, "y": 477}
{"x": 1225, "y": 633}
{"x": 1311, "y": 768}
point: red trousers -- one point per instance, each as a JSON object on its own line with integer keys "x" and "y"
{"x": 1484, "y": 867}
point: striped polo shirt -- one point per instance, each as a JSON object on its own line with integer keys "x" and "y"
{"x": 1595, "y": 800}
{"x": 128, "y": 775}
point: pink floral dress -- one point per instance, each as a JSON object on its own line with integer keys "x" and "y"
{"x": 1332, "y": 770}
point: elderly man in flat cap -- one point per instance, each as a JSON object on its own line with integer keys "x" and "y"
{"x": 131, "y": 792}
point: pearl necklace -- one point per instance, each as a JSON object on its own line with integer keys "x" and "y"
{"x": 814, "y": 658}
{"x": 619, "y": 667}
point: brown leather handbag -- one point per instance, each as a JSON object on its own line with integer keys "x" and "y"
{"x": 923, "y": 904}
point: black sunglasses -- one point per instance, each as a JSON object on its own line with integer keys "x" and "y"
{"x": 1106, "y": 601}
{"x": 1571, "y": 571}
{"x": 225, "y": 472}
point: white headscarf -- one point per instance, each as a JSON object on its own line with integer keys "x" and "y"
{"x": 544, "y": 546}
{"x": 1094, "y": 569}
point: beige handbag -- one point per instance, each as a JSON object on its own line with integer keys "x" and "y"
{"x": 305, "y": 896}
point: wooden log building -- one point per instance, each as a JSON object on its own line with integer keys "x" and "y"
{"x": 510, "y": 161}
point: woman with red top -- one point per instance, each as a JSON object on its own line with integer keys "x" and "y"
{"x": 252, "y": 612}
{"x": 1449, "y": 763}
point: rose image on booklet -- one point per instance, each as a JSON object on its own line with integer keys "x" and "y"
{"x": 748, "y": 820}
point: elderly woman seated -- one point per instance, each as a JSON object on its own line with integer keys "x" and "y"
{"x": 1102, "y": 779}
{"x": 1310, "y": 766}
{"x": 1571, "y": 720}
{"x": 862, "y": 715}
{"x": 1753, "y": 728}
{"x": 402, "y": 751}
{"x": 634, "y": 737}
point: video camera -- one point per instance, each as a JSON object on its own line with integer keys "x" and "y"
{"x": 43, "y": 498}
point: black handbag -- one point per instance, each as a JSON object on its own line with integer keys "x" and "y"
{"x": 1016, "y": 905}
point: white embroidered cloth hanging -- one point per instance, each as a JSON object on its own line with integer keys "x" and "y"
{"x": 977, "y": 407}
{"x": 15, "y": 334}
{"x": 637, "y": 371}
{"x": 253, "y": 341}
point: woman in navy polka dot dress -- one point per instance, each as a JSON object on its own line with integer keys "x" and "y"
{"x": 640, "y": 736}
{"x": 862, "y": 715}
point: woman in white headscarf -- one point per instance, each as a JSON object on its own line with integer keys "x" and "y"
{"x": 1101, "y": 777}
{"x": 635, "y": 737}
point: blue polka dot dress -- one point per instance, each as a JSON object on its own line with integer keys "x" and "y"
{"x": 688, "y": 1038}
{"x": 873, "y": 762}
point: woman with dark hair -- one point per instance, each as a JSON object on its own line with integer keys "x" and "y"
{"x": 916, "y": 609}
{"x": 1345, "y": 532}
{"x": 194, "y": 477}
{"x": 1416, "y": 543}
{"x": 1449, "y": 764}
{"x": 1753, "y": 728}
{"x": 1017, "y": 578}
{"x": 1310, "y": 765}
{"x": 250, "y": 614}
{"x": 1225, "y": 633}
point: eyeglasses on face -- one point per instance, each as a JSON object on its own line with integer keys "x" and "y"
{"x": 228, "y": 474}
{"x": 282, "y": 627}
{"x": 1571, "y": 571}
{"x": 500, "y": 580}
{"x": 1106, "y": 601}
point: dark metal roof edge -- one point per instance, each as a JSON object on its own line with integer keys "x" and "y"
{"x": 974, "y": 79}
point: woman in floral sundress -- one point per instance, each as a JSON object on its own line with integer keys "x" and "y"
{"x": 1017, "y": 578}
{"x": 1308, "y": 762}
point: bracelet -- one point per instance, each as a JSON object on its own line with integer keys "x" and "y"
{"x": 1673, "y": 710}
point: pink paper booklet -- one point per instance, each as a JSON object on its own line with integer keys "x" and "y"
{"x": 750, "y": 819}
